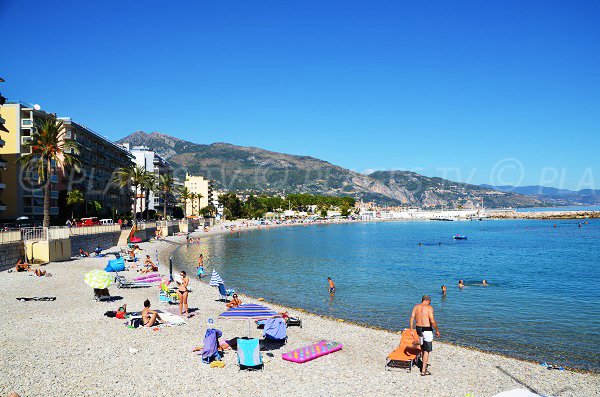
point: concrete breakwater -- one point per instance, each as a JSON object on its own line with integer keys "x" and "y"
{"x": 543, "y": 214}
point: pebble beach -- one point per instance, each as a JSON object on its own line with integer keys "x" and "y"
{"x": 67, "y": 347}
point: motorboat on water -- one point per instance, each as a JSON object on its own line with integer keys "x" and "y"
{"x": 460, "y": 237}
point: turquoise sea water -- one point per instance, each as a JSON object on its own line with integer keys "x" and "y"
{"x": 543, "y": 302}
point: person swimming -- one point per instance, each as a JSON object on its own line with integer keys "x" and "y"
{"x": 443, "y": 290}
{"x": 461, "y": 284}
{"x": 331, "y": 285}
{"x": 484, "y": 283}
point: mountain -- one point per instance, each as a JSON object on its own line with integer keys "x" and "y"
{"x": 554, "y": 195}
{"x": 251, "y": 169}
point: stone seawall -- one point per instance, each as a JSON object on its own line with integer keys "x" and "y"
{"x": 10, "y": 253}
{"x": 90, "y": 241}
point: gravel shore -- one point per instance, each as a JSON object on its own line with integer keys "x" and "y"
{"x": 68, "y": 347}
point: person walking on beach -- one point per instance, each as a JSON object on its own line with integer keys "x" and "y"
{"x": 422, "y": 314}
{"x": 183, "y": 293}
{"x": 200, "y": 266}
{"x": 331, "y": 285}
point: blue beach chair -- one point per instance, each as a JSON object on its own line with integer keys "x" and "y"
{"x": 248, "y": 353}
{"x": 224, "y": 292}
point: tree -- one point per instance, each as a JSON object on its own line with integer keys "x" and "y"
{"x": 345, "y": 210}
{"x": 74, "y": 198}
{"x": 166, "y": 189}
{"x": 48, "y": 144}
{"x": 232, "y": 204}
{"x": 132, "y": 176}
{"x": 184, "y": 196}
{"x": 96, "y": 205}
{"x": 148, "y": 183}
{"x": 193, "y": 201}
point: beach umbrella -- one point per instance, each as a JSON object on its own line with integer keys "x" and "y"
{"x": 99, "y": 279}
{"x": 215, "y": 279}
{"x": 249, "y": 312}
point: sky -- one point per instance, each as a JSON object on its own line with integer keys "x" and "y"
{"x": 491, "y": 91}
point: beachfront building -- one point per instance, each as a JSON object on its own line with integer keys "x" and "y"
{"x": 2, "y": 161}
{"x": 99, "y": 159}
{"x": 154, "y": 163}
{"x": 201, "y": 186}
{"x": 21, "y": 196}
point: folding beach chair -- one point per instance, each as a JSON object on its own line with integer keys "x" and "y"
{"x": 248, "y": 353}
{"x": 275, "y": 332}
{"x": 405, "y": 355}
{"x": 224, "y": 293}
{"x": 102, "y": 295}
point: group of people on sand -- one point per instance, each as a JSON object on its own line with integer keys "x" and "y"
{"x": 148, "y": 266}
{"x": 23, "y": 266}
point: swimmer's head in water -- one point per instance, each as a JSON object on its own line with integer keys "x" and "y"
{"x": 425, "y": 298}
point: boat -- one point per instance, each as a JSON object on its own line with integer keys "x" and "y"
{"x": 459, "y": 237}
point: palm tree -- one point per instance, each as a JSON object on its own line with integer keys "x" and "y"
{"x": 193, "y": 197}
{"x": 148, "y": 184}
{"x": 199, "y": 196}
{"x": 74, "y": 198}
{"x": 48, "y": 144}
{"x": 134, "y": 177}
{"x": 184, "y": 196}
{"x": 166, "y": 188}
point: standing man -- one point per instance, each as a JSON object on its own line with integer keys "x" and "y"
{"x": 423, "y": 315}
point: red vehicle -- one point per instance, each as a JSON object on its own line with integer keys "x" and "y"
{"x": 93, "y": 221}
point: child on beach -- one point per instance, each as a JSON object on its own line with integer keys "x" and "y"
{"x": 331, "y": 285}
{"x": 200, "y": 266}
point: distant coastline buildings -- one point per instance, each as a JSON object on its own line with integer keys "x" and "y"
{"x": 202, "y": 188}
{"x": 155, "y": 164}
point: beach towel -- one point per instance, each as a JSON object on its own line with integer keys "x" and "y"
{"x": 275, "y": 329}
{"x": 517, "y": 393}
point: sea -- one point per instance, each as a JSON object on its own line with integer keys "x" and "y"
{"x": 542, "y": 302}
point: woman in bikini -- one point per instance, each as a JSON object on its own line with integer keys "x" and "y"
{"x": 182, "y": 292}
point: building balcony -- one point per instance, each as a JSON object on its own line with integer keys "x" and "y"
{"x": 3, "y": 163}
{"x": 26, "y": 123}
{"x": 2, "y": 207}
{"x": 39, "y": 210}
{"x": 2, "y": 185}
{"x": 25, "y": 139}
{"x": 39, "y": 193}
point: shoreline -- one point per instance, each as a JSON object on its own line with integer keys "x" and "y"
{"x": 337, "y": 319}
{"x": 68, "y": 348}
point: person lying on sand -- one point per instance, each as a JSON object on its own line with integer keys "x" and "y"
{"x": 40, "y": 272}
{"x": 83, "y": 254}
{"x": 235, "y": 301}
{"x": 22, "y": 266}
{"x": 149, "y": 317}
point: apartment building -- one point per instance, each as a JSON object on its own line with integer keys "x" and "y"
{"x": 21, "y": 195}
{"x": 2, "y": 161}
{"x": 99, "y": 159}
{"x": 199, "y": 185}
{"x": 154, "y": 163}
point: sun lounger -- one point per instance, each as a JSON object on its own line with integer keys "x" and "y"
{"x": 122, "y": 282}
{"x": 248, "y": 353}
{"x": 405, "y": 355}
{"x": 224, "y": 292}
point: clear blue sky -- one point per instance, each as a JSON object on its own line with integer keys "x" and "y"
{"x": 447, "y": 88}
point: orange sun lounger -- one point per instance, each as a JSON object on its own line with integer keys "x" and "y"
{"x": 405, "y": 355}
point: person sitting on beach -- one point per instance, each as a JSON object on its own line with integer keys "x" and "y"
{"x": 22, "y": 266}
{"x": 83, "y": 254}
{"x": 331, "y": 285}
{"x": 149, "y": 317}
{"x": 460, "y": 284}
{"x": 235, "y": 301}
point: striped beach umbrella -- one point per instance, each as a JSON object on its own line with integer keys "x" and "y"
{"x": 215, "y": 279}
{"x": 98, "y": 279}
{"x": 250, "y": 312}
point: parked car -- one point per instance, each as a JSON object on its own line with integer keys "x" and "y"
{"x": 93, "y": 221}
{"x": 106, "y": 222}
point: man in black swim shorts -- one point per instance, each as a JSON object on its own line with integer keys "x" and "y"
{"x": 422, "y": 314}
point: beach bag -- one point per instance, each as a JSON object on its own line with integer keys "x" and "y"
{"x": 110, "y": 313}
{"x": 136, "y": 322}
